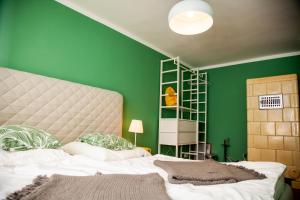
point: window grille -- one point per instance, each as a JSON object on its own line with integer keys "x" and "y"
{"x": 270, "y": 102}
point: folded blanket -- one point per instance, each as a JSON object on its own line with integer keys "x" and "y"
{"x": 102, "y": 187}
{"x": 207, "y": 172}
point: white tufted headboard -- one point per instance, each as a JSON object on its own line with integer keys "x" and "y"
{"x": 65, "y": 109}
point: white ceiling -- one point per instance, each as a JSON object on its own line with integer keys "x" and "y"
{"x": 243, "y": 29}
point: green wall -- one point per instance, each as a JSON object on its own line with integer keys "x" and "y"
{"x": 44, "y": 37}
{"x": 227, "y": 100}
{"x": 5, "y": 28}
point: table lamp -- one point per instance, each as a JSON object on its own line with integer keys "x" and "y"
{"x": 136, "y": 126}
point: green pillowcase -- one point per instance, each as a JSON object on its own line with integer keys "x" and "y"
{"x": 107, "y": 141}
{"x": 21, "y": 138}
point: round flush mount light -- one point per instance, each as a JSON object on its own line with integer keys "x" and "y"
{"x": 190, "y": 17}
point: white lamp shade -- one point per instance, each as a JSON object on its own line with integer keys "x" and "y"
{"x": 190, "y": 17}
{"x": 136, "y": 126}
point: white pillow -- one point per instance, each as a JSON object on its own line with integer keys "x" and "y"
{"x": 100, "y": 153}
{"x": 34, "y": 156}
{"x": 80, "y": 148}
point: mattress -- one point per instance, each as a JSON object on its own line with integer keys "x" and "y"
{"x": 13, "y": 178}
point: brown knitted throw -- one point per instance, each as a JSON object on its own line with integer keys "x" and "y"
{"x": 207, "y": 172}
{"x": 103, "y": 187}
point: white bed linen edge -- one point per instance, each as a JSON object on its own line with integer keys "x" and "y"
{"x": 15, "y": 177}
{"x": 101, "y": 153}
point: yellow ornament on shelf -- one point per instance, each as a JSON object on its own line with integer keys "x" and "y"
{"x": 171, "y": 97}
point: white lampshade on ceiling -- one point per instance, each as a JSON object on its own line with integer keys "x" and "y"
{"x": 190, "y": 17}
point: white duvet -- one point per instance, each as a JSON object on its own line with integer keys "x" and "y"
{"x": 19, "y": 171}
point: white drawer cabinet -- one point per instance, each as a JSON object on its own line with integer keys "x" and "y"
{"x": 177, "y": 132}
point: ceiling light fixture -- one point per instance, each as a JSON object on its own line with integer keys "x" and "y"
{"x": 190, "y": 17}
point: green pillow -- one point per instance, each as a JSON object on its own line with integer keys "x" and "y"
{"x": 21, "y": 138}
{"x": 107, "y": 141}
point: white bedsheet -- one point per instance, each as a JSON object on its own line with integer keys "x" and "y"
{"x": 13, "y": 178}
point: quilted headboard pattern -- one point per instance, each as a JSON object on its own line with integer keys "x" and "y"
{"x": 65, "y": 109}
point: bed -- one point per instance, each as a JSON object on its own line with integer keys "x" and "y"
{"x": 69, "y": 110}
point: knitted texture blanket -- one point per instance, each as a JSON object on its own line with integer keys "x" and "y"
{"x": 207, "y": 172}
{"x": 100, "y": 187}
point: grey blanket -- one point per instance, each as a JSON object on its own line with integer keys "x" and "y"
{"x": 207, "y": 172}
{"x": 101, "y": 187}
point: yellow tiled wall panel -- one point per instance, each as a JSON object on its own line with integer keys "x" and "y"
{"x": 254, "y": 128}
{"x": 260, "y": 115}
{"x": 274, "y": 115}
{"x": 275, "y": 142}
{"x": 272, "y": 79}
{"x": 291, "y": 143}
{"x": 268, "y": 155}
{"x": 259, "y": 89}
{"x": 254, "y": 154}
{"x": 295, "y": 129}
{"x": 289, "y": 87}
{"x": 267, "y": 128}
{"x": 290, "y": 114}
{"x": 285, "y": 157}
{"x": 294, "y": 99}
{"x": 286, "y": 101}
{"x": 296, "y": 158}
{"x": 250, "y": 141}
{"x": 252, "y": 102}
{"x": 249, "y": 90}
{"x": 274, "y": 88}
{"x": 260, "y": 141}
{"x": 284, "y": 128}
{"x": 250, "y": 116}
{"x": 273, "y": 135}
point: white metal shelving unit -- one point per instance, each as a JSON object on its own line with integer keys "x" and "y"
{"x": 187, "y": 129}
